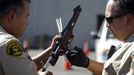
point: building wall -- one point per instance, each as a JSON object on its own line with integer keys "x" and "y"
{"x": 44, "y": 12}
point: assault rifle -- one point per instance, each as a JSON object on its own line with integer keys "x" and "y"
{"x": 66, "y": 34}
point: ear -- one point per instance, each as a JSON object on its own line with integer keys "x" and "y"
{"x": 128, "y": 20}
{"x": 11, "y": 16}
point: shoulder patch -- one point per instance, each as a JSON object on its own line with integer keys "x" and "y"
{"x": 14, "y": 48}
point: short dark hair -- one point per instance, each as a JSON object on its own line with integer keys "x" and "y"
{"x": 125, "y": 6}
{"x": 7, "y": 5}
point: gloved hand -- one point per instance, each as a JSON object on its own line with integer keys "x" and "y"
{"x": 77, "y": 57}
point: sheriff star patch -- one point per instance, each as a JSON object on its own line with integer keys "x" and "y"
{"x": 14, "y": 48}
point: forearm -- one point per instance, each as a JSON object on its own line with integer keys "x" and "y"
{"x": 95, "y": 67}
{"x": 42, "y": 58}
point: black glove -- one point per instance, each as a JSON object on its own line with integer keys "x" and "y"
{"x": 77, "y": 57}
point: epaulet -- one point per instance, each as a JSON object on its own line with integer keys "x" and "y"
{"x": 4, "y": 37}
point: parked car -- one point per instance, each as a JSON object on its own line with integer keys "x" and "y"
{"x": 104, "y": 39}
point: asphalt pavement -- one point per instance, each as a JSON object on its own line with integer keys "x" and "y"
{"x": 59, "y": 69}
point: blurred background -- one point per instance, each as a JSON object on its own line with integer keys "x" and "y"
{"x": 42, "y": 25}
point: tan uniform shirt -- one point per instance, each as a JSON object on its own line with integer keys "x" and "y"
{"x": 122, "y": 61}
{"x": 14, "y": 59}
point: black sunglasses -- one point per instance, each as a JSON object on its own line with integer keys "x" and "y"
{"x": 111, "y": 18}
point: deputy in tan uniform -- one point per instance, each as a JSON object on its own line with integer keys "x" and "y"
{"x": 14, "y": 59}
{"x": 120, "y": 20}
